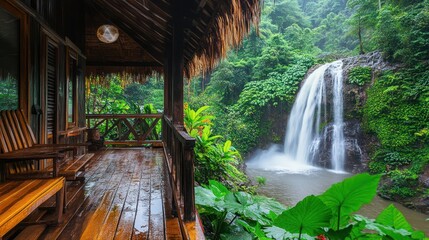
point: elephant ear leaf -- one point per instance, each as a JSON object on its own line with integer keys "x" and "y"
{"x": 392, "y": 217}
{"x": 308, "y": 216}
{"x": 348, "y": 196}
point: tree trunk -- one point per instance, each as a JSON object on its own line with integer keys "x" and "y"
{"x": 360, "y": 39}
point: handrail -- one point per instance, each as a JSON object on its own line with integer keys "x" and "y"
{"x": 180, "y": 150}
{"x": 126, "y": 129}
{"x": 95, "y": 116}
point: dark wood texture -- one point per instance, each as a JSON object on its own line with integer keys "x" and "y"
{"x": 149, "y": 29}
{"x": 17, "y": 141}
{"x": 122, "y": 197}
{"x": 180, "y": 157}
{"x": 141, "y": 127}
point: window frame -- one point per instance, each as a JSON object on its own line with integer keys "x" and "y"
{"x": 23, "y": 83}
{"x": 71, "y": 55}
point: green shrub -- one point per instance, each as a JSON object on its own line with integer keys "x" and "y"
{"x": 360, "y": 75}
{"x": 214, "y": 158}
{"x": 402, "y": 184}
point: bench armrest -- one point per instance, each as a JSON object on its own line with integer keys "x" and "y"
{"x": 23, "y": 156}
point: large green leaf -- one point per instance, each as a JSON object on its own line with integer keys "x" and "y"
{"x": 218, "y": 189}
{"x": 204, "y": 197}
{"x": 269, "y": 206}
{"x": 348, "y": 196}
{"x": 383, "y": 230}
{"x": 256, "y": 230}
{"x": 308, "y": 216}
{"x": 392, "y": 217}
{"x": 281, "y": 234}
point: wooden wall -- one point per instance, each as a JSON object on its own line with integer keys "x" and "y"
{"x": 62, "y": 23}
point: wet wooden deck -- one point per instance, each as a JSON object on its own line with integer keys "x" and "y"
{"x": 124, "y": 196}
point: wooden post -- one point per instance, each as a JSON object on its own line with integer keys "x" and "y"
{"x": 168, "y": 68}
{"x": 178, "y": 62}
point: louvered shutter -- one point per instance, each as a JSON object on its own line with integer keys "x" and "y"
{"x": 52, "y": 73}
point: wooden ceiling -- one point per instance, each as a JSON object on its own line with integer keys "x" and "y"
{"x": 146, "y": 30}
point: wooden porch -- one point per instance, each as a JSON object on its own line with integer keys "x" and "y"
{"x": 125, "y": 195}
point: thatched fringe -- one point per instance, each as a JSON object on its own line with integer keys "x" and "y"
{"x": 231, "y": 25}
{"x": 126, "y": 75}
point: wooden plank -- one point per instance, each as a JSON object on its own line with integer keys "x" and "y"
{"x": 98, "y": 218}
{"x": 152, "y": 126}
{"x": 9, "y": 132}
{"x": 35, "y": 193}
{"x": 31, "y": 232}
{"x": 22, "y": 119}
{"x": 156, "y": 220}
{"x": 72, "y": 167}
{"x": 71, "y": 228}
{"x": 5, "y": 145}
{"x": 126, "y": 223}
{"x": 131, "y": 128}
{"x": 130, "y": 169}
{"x": 19, "y": 131}
{"x": 19, "y": 188}
{"x": 141, "y": 223}
{"x": 28, "y": 134}
{"x": 122, "y": 116}
{"x": 111, "y": 222}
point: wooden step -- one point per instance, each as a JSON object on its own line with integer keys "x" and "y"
{"x": 31, "y": 232}
{"x": 71, "y": 167}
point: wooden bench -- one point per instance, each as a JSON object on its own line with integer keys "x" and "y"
{"x": 18, "y": 199}
{"x": 17, "y": 139}
{"x": 18, "y": 136}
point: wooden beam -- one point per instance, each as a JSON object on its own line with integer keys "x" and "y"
{"x": 178, "y": 62}
{"x": 168, "y": 68}
{"x": 127, "y": 27}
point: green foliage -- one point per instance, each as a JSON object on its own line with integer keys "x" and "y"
{"x": 397, "y": 112}
{"x": 8, "y": 93}
{"x": 195, "y": 120}
{"x": 393, "y": 112}
{"x": 401, "y": 184}
{"x": 116, "y": 98}
{"x": 286, "y": 13}
{"x": 214, "y": 159}
{"x": 308, "y": 216}
{"x": 261, "y": 180}
{"x": 394, "y": 218}
{"x": 222, "y": 209}
{"x": 227, "y": 213}
{"x": 360, "y": 75}
{"x": 362, "y": 22}
{"x": 348, "y": 196}
{"x": 275, "y": 89}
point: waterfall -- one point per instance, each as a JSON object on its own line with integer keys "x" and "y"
{"x": 309, "y": 112}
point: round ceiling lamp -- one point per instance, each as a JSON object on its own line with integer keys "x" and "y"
{"x": 107, "y": 33}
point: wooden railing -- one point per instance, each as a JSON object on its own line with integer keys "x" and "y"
{"x": 179, "y": 147}
{"x": 126, "y": 129}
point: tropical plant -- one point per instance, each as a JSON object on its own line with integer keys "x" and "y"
{"x": 214, "y": 159}
{"x": 327, "y": 216}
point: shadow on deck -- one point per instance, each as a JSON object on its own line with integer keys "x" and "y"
{"x": 124, "y": 196}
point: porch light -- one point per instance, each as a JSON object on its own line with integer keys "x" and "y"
{"x": 107, "y": 33}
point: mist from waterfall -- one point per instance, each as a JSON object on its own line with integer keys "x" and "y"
{"x": 308, "y": 117}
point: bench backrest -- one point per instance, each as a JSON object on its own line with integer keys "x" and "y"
{"x": 15, "y": 132}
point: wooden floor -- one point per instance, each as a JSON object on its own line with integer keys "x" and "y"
{"x": 123, "y": 197}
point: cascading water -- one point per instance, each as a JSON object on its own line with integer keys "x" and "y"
{"x": 315, "y": 130}
{"x": 304, "y": 125}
